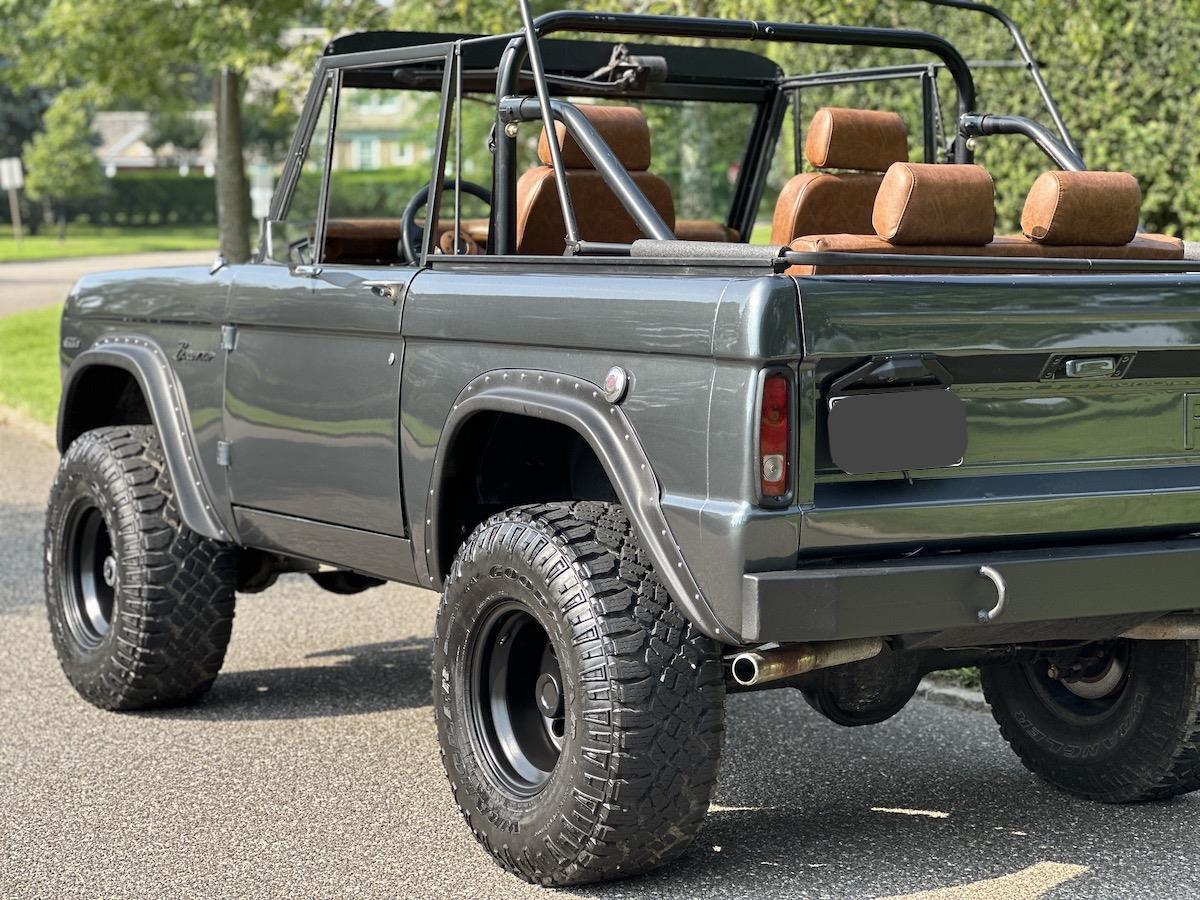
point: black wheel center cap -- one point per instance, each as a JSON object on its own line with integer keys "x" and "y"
{"x": 549, "y": 695}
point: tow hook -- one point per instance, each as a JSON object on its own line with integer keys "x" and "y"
{"x": 997, "y": 580}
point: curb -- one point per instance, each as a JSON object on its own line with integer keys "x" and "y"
{"x": 19, "y": 421}
{"x": 952, "y": 695}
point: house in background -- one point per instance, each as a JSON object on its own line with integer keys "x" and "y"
{"x": 368, "y": 138}
{"x": 371, "y": 133}
{"x": 123, "y": 146}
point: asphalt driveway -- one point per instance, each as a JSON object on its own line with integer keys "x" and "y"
{"x": 312, "y": 771}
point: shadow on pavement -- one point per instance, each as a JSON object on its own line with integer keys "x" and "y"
{"x": 893, "y": 809}
{"x": 349, "y": 681}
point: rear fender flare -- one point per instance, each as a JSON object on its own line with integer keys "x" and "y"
{"x": 580, "y": 405}
{"x": 146, "y": 362}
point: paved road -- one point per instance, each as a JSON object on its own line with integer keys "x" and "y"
{"x": 312, "y": 770}
{"x": 31, "y": 285}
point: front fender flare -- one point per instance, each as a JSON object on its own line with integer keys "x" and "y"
{"x": 580, "y": 405}
{"x": 146, "y": 362}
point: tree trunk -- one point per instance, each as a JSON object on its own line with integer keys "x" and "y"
{"x": 233, "y": 193}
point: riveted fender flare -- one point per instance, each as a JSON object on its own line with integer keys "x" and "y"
{"x": 580, "y": 405}
{"x": 147, "y": 363}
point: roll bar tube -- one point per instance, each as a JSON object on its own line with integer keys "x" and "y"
{"x": 572, "y": 237}
{"x": 974, "y": 125}
{"x": 601, "y": 156}
{"x": 1026, "y": 54}
{"x": 504, "y": 208}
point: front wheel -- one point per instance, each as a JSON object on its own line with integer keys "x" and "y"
{"x": 140, "y": 606}
{"x": 1118, "y": 722}
{"x": 580, "y": 715}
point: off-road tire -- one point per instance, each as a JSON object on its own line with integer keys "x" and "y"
{"x": 172, "y": 597}
{"x": 643, "y": 697}
{"x": 1147, "y": 748}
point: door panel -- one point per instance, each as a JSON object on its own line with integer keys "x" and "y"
{"x": 312, "y": 396}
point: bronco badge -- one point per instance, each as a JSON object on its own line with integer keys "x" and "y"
{"x": 185, "y": 353}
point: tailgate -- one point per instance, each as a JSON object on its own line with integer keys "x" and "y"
{"x": 1080, "y": 398}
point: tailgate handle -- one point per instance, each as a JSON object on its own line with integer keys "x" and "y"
{"x": 1092, "y": 367}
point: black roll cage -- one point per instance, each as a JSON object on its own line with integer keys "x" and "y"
{"x": 504, "y": 205}
{"x": 970, "y": 125}
{"x": 753, "y": 83}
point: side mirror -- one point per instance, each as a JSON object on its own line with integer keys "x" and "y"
{"x": 218, "y": 264}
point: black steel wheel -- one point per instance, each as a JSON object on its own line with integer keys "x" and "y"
{"x": 516, "y": 699}
{"x": 89, "y": 574}
{"x": 1117, "y": 722}
{"x": 140, "y": 607}
{"x": 580, "y": 716}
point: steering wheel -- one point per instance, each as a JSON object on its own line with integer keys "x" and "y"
{"x": 412, "y": 234}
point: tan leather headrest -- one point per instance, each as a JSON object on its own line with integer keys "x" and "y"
{"x": 862, "y": 139}
{"x": 921, "y": 203}
{"x": 623, "y": 128}
{"x": 1065, "y": 209}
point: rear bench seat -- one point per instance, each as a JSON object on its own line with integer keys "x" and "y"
{"x": 949, "y": 210}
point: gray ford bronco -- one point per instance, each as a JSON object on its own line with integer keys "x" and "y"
{"x": 508, "y": 336}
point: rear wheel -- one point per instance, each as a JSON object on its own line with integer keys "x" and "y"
{"x": 1117, "y": 723}
{"x": 140, "y": 606}
{"x": 580, "y": 715}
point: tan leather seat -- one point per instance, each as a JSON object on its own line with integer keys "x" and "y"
{"x": 706, "y": 231}
{"x": 867, "y": 141}
{"x": 540, "y": 228}
{"x": 946, "y": 210}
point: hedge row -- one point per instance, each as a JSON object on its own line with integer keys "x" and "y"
{"x": 378, "y": 193}
{"x": 158, "y": 197}
{"x": 154, "y": 197}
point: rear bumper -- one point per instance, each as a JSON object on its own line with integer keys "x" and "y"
{"x": 1082, "y": 592}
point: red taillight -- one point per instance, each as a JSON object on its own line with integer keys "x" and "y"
{"x": 774, "y": 429}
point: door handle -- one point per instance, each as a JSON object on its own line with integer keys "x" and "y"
{"x": 306, "y": 271}
{"x": 389, "y": 290}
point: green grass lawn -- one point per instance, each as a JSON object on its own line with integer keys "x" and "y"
{"x": 967, "y": 678}
{"x": 761, "y": 233}
{"x": 29, "y": 363}
{"x": 85, "y": 240}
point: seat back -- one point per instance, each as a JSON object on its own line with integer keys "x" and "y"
{"x": 601, "y": 217}
{"x": 865, "y": 141}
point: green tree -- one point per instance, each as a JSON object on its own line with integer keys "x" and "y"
{"x": 268, "y": 125}
{"x": 151, "y": 51}
{"x": 21, "y": 111}
{"x": 61, "y": 165}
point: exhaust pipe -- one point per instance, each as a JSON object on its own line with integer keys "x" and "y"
{"x": 756, "y": 667}
{"x": 1179, "y": 627}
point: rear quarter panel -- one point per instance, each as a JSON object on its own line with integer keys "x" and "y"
{"x": 693, "y": 343}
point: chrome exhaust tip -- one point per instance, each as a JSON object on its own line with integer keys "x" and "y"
{"x": 746, "y": 668}
{"x": 755, "y": 667}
